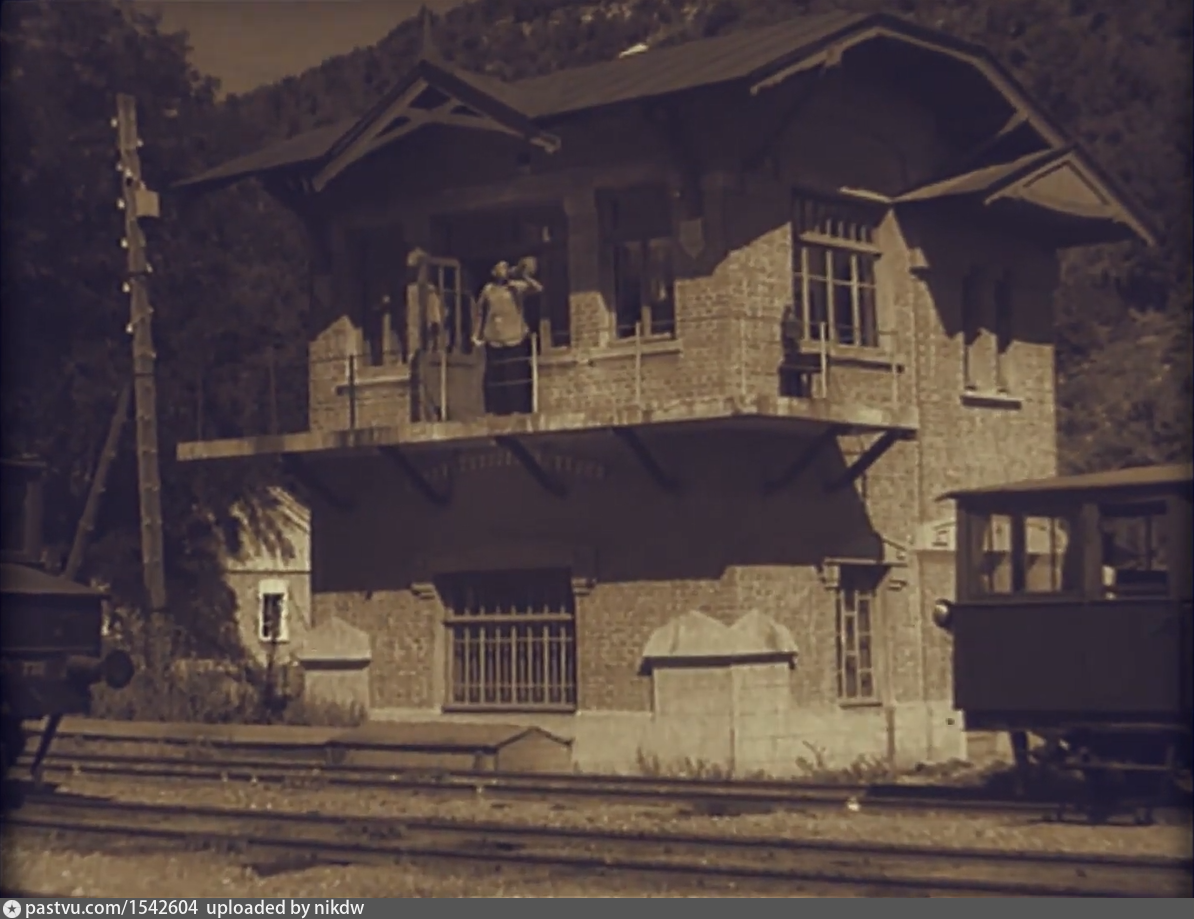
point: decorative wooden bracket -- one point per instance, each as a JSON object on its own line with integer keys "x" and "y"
{"x": 417, "y": 479}
{"x": 659, "y": 475}
{"x": 803, "y": 461}
{"x": 302, "y": 472}
{"x": 679, "y": 143}
{"x": 755, "y": 157}
{"x": 534, "y": 468}
{"x": 869, "y": 457}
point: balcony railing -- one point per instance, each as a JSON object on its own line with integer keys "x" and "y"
{"x": 709, "y": 357}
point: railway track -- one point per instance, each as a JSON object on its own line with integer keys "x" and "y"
{"x": 293, "y": 840}
{"x": 712, "y": 797}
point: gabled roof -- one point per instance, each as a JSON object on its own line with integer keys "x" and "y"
{"x": 762, "y": 57}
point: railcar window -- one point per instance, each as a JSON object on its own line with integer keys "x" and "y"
{"x": 995, "y": 572}
{"x": 1135, "y": 549}
{"x": 1026, "y": 554}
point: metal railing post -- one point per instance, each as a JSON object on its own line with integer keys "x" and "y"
{"x": 443, "y": 383}
{"x": 742, "y": 318}
{"x": 638, "y": 364}
{"x": 824, "y": 342}
{"x": 534, "y": 373}
{"x": 895, "y": 368}
{"x": 352, "y": 392}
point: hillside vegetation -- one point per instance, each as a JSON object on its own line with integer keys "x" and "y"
{"x": 229, "y": 279}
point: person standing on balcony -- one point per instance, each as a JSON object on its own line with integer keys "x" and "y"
{"x": 504, "y": 333}
{"x": 425, "y": 306}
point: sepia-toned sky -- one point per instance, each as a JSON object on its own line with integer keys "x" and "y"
{"x": 246, "y": 43}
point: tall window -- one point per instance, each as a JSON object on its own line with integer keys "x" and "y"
{"x": 273, "y": 619}
{"x": 833, "y": 272}
{"x": 637, "y": 229}
{"x": 973, "y": 286}
{"x": 855, "y": 635}
{"x": 380, "y": 281}
{"x": 513, "y": 639}
{"x": 1004, "y": 292}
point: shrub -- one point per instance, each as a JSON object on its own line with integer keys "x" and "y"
{"x": 172, "y": 685}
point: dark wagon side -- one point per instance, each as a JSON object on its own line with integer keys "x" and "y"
{"x": 51, "y": 628}
{"x": 1073, "y": 618}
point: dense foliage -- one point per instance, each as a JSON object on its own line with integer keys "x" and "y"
{"x": 229, "y": 276}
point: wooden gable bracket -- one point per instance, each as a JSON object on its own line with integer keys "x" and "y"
{"x": 755, "y": 157}
{"x": 534, "y": 468}
{"x": 398, "y": 114}
{"x": 302, "y": 472}
{"x": 679, "y": 142}
{"x": 975, "y": 155}
{"x": 804, "y": 460}
{"x": 664, "y": 479}
{"x": 415, "y": 476}
{"x": 865, "y": 461}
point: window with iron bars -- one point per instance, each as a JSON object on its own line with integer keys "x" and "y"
{"x": 637, "y": 227}
{"x": 833, "y": 272}
{"x": 855, "y": 607}
{"x": 512, "y": 637}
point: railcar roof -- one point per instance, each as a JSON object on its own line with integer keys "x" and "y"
{"x": 22, "y": 579}
{"x": 1135, "y": 479}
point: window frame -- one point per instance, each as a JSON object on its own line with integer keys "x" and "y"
{"x": 862, "y": 583}
{"x": 268, "y": 589}
{"x": 383, "y": 325}
{"x": 655, "y": 318}
{"x": 508, "y": 642}
{"x": 833, "y": 229}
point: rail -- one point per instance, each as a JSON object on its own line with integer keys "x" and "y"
{"x": 346, "y": 383}
{"x": 791, "y": 861}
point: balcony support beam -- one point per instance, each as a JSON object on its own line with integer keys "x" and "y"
{"x": 660, "y": 476}
{"x": 869, "y": 457}
{"x": 302, "y": 472}
{"x": 803, "y": 461}
{"x": 543, "y": 478}
{"x": 437, "y": 497}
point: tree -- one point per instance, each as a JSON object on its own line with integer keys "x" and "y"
{"x": 67, "y": 353}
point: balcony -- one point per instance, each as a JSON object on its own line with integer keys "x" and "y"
{"x": 717, "y": 370}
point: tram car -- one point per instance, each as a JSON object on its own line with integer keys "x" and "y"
{"x": 50, "y": 627}
{"x": 1072, "y": 625}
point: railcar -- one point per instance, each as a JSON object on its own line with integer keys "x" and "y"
{"x": 1071, "y": 627}
{"x": 51, "y": 628}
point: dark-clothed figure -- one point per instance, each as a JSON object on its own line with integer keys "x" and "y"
{"x": 504, "y": 333}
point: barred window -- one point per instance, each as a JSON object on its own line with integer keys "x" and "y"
{"x": 855, "y": 603}
{"x": 833, "y": 272}
{"x": 513, "y": 639}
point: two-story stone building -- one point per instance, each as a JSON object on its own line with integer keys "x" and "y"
{"x": 797, "y": 283}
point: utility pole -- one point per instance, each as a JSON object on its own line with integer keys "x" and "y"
{"x": 139, "y": 202}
